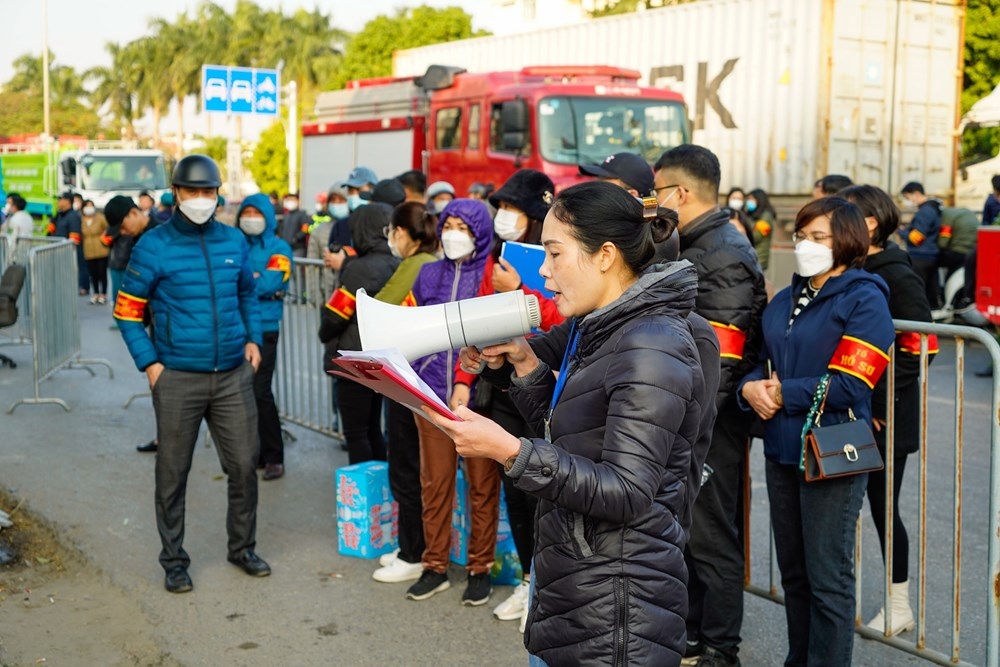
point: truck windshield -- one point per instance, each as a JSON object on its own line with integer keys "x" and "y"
{"x": 585, "y": 130}
{"x": 123, "y": 172}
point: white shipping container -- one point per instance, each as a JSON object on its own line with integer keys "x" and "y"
{"x": 784, "y": 91}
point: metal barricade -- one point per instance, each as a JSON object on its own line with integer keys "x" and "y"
{"x": 53, "y": 314}
{"x": 952, "y": 578}
{"x": 303, "y": 391}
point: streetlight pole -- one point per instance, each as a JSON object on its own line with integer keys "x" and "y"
{"x": 292, "y": 137}
{"x": 45, "y": 67}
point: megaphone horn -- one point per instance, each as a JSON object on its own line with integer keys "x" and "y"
{"x": 424, "y": 330}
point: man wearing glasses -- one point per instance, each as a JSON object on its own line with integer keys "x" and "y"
{"x": 731, "y": 296}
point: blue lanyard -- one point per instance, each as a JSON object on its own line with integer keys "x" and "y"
{"x": 574, "y": 338}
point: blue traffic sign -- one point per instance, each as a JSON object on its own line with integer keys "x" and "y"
{"x": 239, "y": 90}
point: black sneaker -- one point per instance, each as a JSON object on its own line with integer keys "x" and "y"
{"x": 712, "y": 657}
{"x": 478, "y": 590}
{"x": 430, "y": 582}
{"x": 692, "y": 653}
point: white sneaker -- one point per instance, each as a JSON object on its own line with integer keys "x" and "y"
{"x": 512, "y": 608}
{"x": 386, "y": 559}
{"x": 398, "y": 570}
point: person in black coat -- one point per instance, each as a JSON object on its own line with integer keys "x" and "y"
{"x": 612, "y": 472}
{"x": 360, "y": 407}
{"x": 907, "y": 301}
{"x": 732, "y": 297}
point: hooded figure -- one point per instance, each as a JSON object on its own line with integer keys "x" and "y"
{"x": 271, "y": 258}
{"x": 360, "y": 407}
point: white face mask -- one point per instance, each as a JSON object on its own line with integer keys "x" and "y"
{"x": 812, "y": 258}
{"x": 77, "y": 206}
{"x": 252, "y": 226}
{"x": 736, "y": 204}
{"x": 6, "y": 209}
{"x": 505, "y": 225}
{"x": 392, "y": 247}
{"x": 290, "y": 204}
{"x": 457, "y": 244}
{"x": 199, "y": 210}
{"x": 89, "y": 210}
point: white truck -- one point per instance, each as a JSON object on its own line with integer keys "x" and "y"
{"x": 783, "y": 91}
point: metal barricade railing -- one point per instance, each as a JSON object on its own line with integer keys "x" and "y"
{"x": 303, "y": 391}
{"x": 53, "y": 314}
{"x": 991, "y": 574}
{"x": 18, "y": 250}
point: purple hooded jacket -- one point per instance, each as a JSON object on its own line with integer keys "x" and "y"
{"x": 446, "y": 280}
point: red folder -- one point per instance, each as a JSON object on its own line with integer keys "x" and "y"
{"x": 389, "y": 383}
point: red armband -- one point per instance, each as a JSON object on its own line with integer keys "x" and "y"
{"x": 51, "y": 228}
{"x": 763, "y": 226}
{"x": 74, "y": 237}
{"x": 129, "y": 308}
{"x": 946, "y": 231}
{"x": 910, "y": 343}
{"x": 106, "y": 240}
{"x": 915, "y": 237}
{"x": 731, "y": 340}
{"x": 279, "y": 263}
{"x": 343, "y": 303}
{"x": 349, "y": 251}
{"x": 860, "y": 359}
{"x": 410, "y": 301}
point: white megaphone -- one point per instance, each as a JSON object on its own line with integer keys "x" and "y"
{"x": 417, "y": 332}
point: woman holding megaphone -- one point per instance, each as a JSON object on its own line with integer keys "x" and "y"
{"x": 611, "y": 473}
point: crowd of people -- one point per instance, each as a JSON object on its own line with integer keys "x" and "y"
{"x": 619, "y": 431}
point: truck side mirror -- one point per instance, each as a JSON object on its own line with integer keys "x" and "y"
{"x": 68, "y": 167}
{"x": 514, "y": 123}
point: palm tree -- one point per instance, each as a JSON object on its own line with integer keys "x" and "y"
{"x": 154, "y": 91}
{"x": 116, "y": 86}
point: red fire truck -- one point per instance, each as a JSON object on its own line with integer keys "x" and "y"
{"x": 463, "y": 128}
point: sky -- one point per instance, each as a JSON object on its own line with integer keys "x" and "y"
{"x": 78, "y": 31}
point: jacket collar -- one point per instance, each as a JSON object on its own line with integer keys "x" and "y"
{"x": 701, "y": 225}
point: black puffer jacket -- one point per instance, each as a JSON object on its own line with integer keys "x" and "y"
{"x": 609, "y": 569}
{"x": 730, "y": 290}
{"x": 907, "y": 301}
{"x": 370, "y": 269}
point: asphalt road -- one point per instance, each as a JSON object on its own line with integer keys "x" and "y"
{"x": 80, "y": 470}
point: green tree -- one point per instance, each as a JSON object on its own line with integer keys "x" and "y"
{"x": 369, "y": 53}
{"x": 115, "y": 86}
{"x": 615, "y": 7}
{"x": 982, "y": 71}
{"x": 22, "y": 108}
{"x": 269, "y": 162}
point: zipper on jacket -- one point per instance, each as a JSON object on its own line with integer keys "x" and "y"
{"x": 449, "y": 370}
{"x": 211, "y": 287}
{"x": 621, "y": 604}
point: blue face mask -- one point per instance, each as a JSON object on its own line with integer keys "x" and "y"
{"x": 339, "y": 210}
{"x": 355, "y": 202}
{"x": 751, "y": 206}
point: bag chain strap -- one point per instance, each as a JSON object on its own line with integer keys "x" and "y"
{"x": 815, "y": 412}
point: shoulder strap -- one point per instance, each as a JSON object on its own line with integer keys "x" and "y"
{"x": 815, "y": 412}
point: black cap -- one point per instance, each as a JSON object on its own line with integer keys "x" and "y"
{"x": 115, "y": 211}
{"x": 68, "y": 196}
{"x": 529, "y": 190}
{"x": 627, "y": 167}
{"x": 388, "y": 191}
{"x": 197, "y": 171}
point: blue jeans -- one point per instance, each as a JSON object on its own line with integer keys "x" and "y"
{"x": 814, "y": 537}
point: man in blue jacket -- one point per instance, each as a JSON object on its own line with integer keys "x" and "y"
{"x": 192, "y": 279}
{"x": 271, "y": 258}
{"x": 921, "y": 239}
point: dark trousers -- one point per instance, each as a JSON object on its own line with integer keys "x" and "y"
{"x": 970, "y": 275}
{"x": 82, "y": 274}
{"x": 98, "y": 270}
{"x": 225, "y": 400}
{"x": 272, "y": 447}
{"x": 361, "y": 418}
{"x": 521, "y": 506}
{"x": 404, "y": 480}
{"x": 814, "y": 538}
{"x": 951, "y": 260}
{"x": 927, "y": 269}
{"x": 714, "y": 553}
{"x": 876, "y": 499}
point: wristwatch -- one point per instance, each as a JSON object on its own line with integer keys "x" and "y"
{"x": 508, "y": 465}
{"x": 778, "y": 398}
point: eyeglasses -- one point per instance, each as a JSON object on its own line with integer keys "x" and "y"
{"x": 815, "y": 237}
{"x": 667, "y": 187}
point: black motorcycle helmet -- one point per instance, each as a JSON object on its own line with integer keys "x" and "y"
{"x": 196, "y": 171}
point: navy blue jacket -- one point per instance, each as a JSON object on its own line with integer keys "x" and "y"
{"x": 271, "y": 258}
{"x": 197, "y": 281}
{"x": 855, "y": 305}
{"x": 921, "y": 237}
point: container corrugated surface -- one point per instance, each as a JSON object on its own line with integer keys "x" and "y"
{"x": 784, "y": 91}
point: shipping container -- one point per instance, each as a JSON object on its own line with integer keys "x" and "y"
{"x": 784, "y": 91}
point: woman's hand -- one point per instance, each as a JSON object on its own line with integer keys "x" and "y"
{"x": 878, "y": 424}
{"x": 476, "y": 436}
{"x": 518, "y": 353}
{"x": 505, "y": 277}
{"x": 760, "y": 394}
{"x": 460, "y": 395}
{"x": 471, "y": 360}
{"x": 333, "y": 260}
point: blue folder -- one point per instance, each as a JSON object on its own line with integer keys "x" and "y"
{"x": 527, "y": 260}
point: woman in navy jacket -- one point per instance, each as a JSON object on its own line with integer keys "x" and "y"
{"x": 834, "y": 318}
